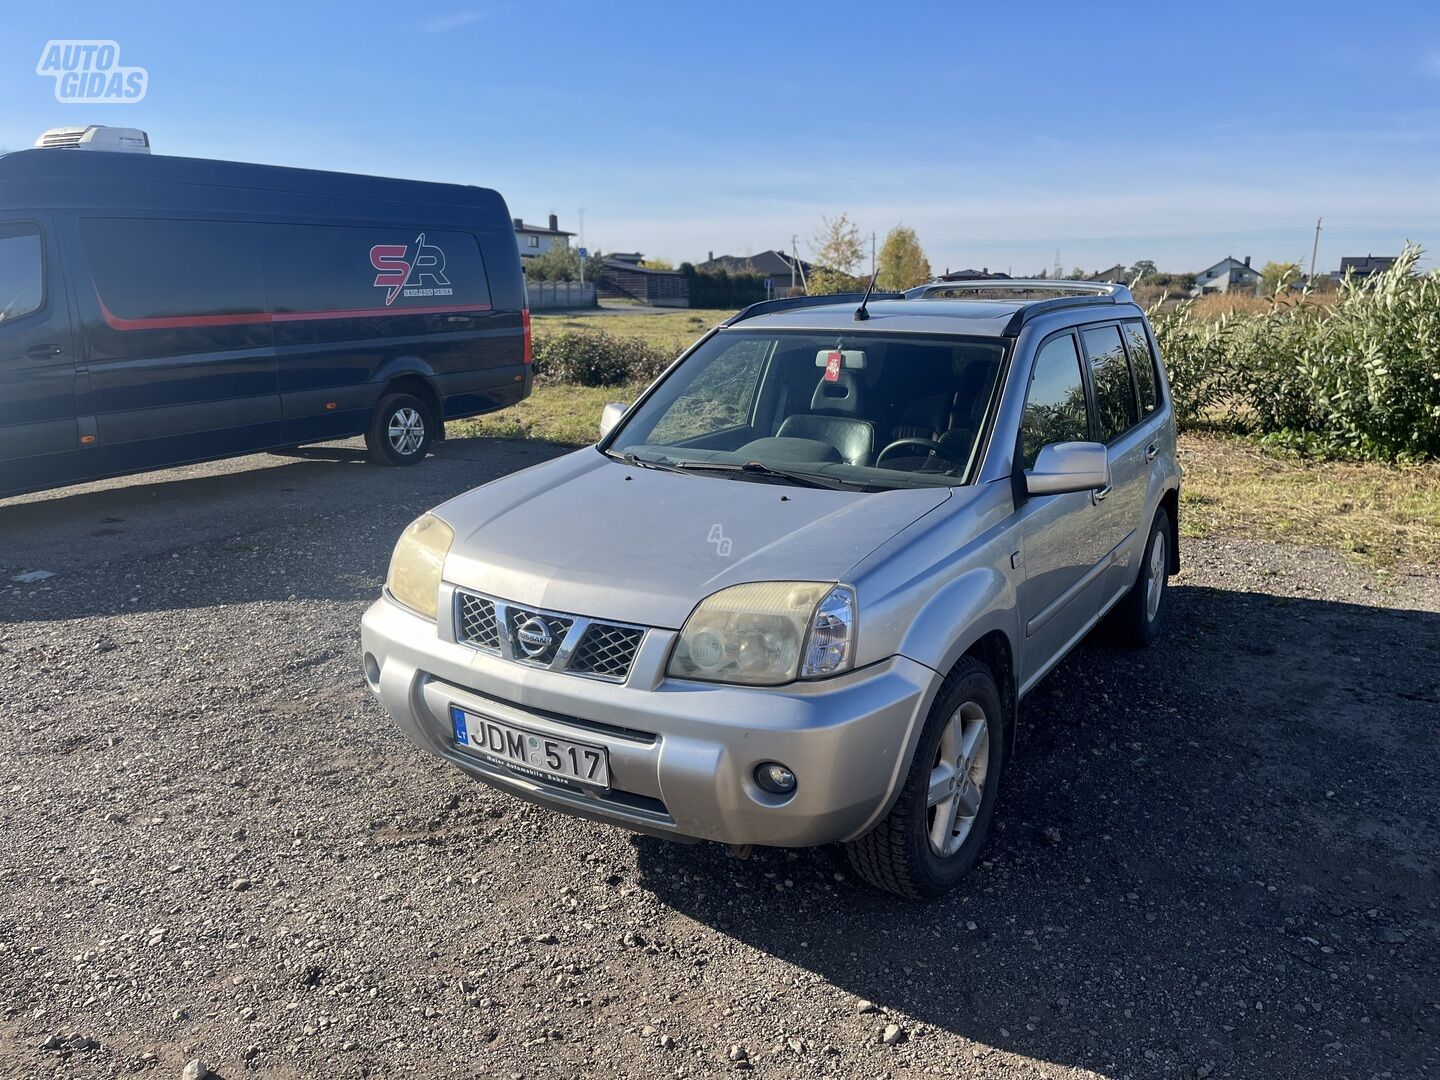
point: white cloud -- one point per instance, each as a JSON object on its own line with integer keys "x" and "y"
{"x": 442, "y": 24}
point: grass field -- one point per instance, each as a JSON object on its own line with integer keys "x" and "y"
{"x": 674, "y": 330}
{"x": 1378, "y": 514}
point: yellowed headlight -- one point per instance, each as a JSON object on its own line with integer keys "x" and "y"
{"x": 415, "y": 567}
{"x": 753, "y": 634}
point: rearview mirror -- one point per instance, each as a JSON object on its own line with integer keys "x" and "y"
{"x": 610, "y": 416}
{"x": 1069, "y": 466}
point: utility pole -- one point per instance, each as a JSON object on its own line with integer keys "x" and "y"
{"x": 581, "y": 229}
{"x": 872, "y": 253}
{"x": 1314, "y": 250}
{"x": 794, "y": 261}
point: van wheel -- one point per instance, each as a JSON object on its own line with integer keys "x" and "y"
{"x": 933, "y": 833}
{"x": 401, "y": 430}
{"x": 1136, "y": 619}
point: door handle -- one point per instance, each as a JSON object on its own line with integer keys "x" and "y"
{"x": 1098, "y": 495}
{"x": 44, "y": 352}
{"x": 1151, "y": 451}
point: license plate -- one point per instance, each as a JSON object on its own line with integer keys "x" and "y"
{"x": 531, "y": 752}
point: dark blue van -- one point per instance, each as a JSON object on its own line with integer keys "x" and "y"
{"x": 160, "y": 310}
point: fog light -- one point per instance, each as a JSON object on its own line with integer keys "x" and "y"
{"x": 372, "y": 672}
{"x": 775, "y": 778}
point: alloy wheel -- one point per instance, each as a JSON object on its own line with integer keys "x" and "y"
{"x": 957, "y": 779}
{"x": 1155, "y": 583}
{"x": 407, "y": 431}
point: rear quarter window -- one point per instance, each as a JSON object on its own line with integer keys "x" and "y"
{"x": 322, "y": 268}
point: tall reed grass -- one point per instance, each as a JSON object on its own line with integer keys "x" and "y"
{"x": 1353, "y": 375}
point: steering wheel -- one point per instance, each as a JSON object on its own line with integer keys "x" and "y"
{"x": 930, "y": 445}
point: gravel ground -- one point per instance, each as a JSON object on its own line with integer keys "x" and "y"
{"x": 1214, "y": 858}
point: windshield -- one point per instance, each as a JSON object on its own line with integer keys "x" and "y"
{"x": 862, "y": 410}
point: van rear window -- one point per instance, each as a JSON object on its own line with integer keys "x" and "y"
{"x": 150, "y": 269}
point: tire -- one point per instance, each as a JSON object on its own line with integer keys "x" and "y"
{"x": 401, "y": 430}
{"x": 900, "y": 855}
{"x": 1137, "y": 619}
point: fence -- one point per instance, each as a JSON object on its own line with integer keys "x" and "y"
{"x": 560, "y": 294}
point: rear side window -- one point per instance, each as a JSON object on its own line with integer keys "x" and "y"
{"x": 161, "y": 269}
{"x": 1143, "y": 364}
{"x": 22, "y": 272}
{"x": 1055, "y": 405}
{"x": 1110, "y": 369}
{"x": 323, "y": 268}
{"x": 153, "y": 268}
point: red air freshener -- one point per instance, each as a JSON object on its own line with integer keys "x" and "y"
{"x": 833, "y": 363}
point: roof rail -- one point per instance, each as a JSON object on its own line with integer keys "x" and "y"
{"x": 784, "y": 303}
{"x": 1116, "y": 294}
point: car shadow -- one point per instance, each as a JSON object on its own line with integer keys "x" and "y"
{"x": 316, "y": 523}
{"x": 1217, "y": 854}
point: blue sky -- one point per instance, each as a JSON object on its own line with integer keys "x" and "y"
{"x": 1000, "y": 132}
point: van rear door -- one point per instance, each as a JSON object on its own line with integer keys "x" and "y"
{"x": 38, "y": 433}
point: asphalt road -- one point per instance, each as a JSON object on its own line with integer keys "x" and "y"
{"x": 1216, "y": 858}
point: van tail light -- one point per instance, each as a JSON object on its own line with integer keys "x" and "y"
{"x": 525, "y": 322}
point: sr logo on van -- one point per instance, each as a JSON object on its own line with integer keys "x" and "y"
{"x": 403, "y": 273}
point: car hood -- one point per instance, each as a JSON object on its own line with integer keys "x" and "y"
{"x": 588, "y": 535}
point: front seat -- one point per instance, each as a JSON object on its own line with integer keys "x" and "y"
{"x": 833, "y": 419}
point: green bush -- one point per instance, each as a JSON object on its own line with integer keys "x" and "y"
{"x": 1359, "y": 379}
{"x": 593, "y": 357}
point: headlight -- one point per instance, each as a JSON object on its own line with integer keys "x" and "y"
{"x": 768, "y": 632}
{"x": 414, "y": 577}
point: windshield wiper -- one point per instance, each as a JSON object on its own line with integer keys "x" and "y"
{"x": 630, "y": 458}
{"x": 759, "y": 468}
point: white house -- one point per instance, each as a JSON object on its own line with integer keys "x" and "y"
{"x": 537, "y": 239}
{"x": 1228, "y": 275}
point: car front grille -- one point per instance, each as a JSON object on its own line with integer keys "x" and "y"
{"x": 548, "y": 639}
{"x": 607, "y": 650}
{"x": 477, "y": 623}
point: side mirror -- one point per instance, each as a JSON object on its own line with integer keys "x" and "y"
{"x": 610, "y": 416}
{"x": 1069, "y": 466}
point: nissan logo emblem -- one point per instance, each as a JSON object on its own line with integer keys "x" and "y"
{"x": 534, "y": 637}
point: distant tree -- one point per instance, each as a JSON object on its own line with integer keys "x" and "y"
{"x": 1077, "y": 274}
{"x": 1143, "y": 271}
{"x": 837, "y": 245}
{"x": 1277, "y": 277}
{"x": 902, "y": 264}
{"x": 1043, "y": 274}
{"x": 657, "y": 264}
{"x": 825, "y": 282}
{"x": 560, "y": 263}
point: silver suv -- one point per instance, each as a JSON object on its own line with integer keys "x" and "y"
{"x": 797, "y": 591}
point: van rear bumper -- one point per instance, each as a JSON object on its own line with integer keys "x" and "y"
{"x": 471, "y": 393}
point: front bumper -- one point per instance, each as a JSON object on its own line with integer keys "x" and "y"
{"x": 682, "y": 754}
